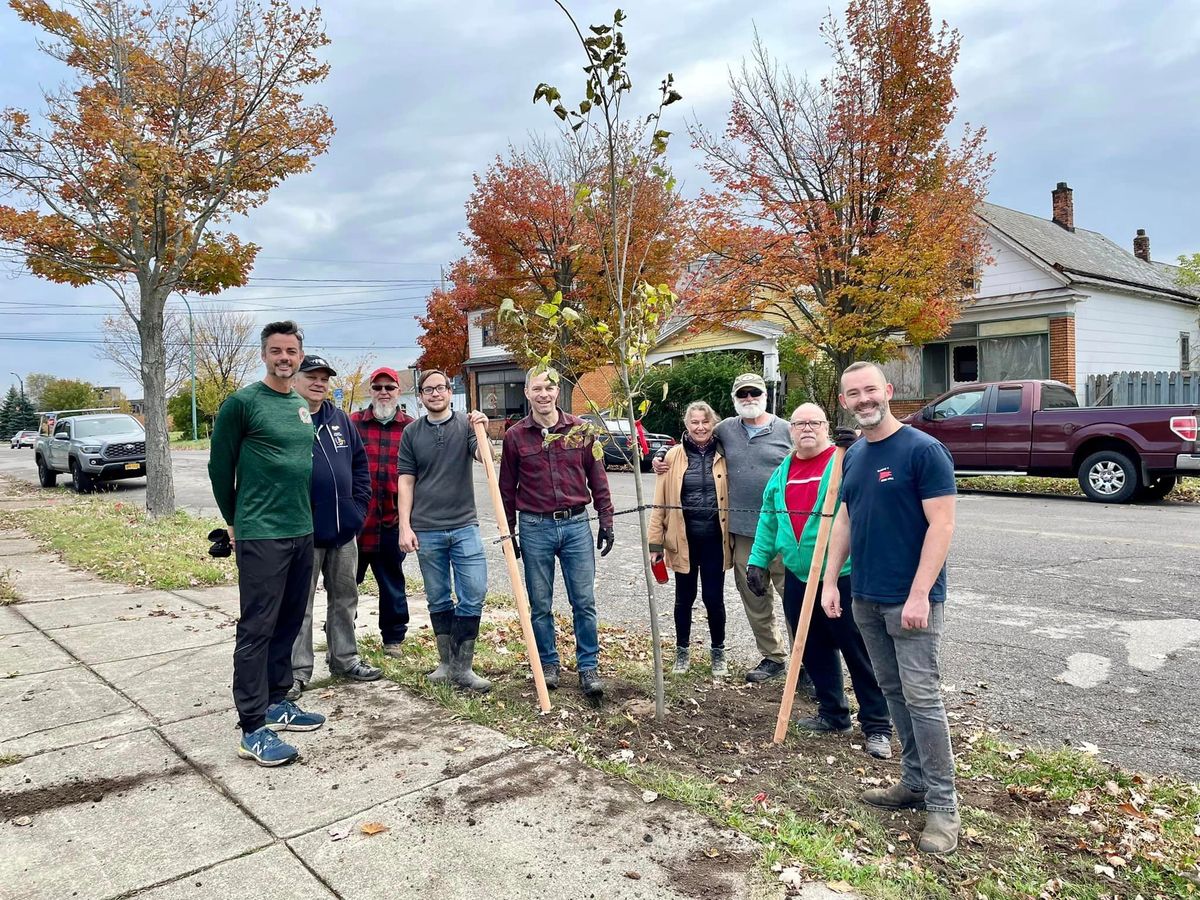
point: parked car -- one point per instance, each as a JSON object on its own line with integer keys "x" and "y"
{"x": 1118, "y": 453}
{"x": 23, "y": 439}
{"x": 617, "y": 448}
{"x": 91, "y": 449}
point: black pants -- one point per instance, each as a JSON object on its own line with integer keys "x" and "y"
{"x": 826, "y": 637}
{"x": 708, "y": 569}
{"x": 387, "y": 565}
{"x": 273, "y": 581}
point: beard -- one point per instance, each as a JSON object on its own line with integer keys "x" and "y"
{"x": 384, "y": 409}
{"x": 751, "y": 407}
{"x": 870, "y": 415}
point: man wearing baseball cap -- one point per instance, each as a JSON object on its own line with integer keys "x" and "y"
{"x": 341, "y": 494}
{"x": 380, "y": 426}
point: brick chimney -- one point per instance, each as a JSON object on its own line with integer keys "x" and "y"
{"x": 1064, "y": 206}
{"x": 1141, "y": 245}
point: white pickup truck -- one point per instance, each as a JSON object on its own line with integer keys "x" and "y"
{"x": 91, "y": 449}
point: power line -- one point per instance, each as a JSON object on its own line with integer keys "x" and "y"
{"x": 255, "y": 345}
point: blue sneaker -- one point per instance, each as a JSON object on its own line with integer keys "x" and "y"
{"x": 265, "y": 748}
{"x": 287, "y": 716}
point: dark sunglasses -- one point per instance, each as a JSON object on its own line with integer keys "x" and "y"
{"x": 385, "y": 387}
{"x": 748, "y": 392}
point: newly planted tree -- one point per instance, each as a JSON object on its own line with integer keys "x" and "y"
{"x": 626, "y": 153}
{"x": 842, "y": 208}
{"x": 179, "y": 116}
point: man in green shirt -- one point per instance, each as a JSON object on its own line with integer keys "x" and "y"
{"x": 260, "y": 467}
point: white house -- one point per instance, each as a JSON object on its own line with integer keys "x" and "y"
{"x": 1057, "y": 301}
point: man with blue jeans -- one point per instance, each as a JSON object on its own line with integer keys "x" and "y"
{"x": 548, "y": 476}
{"x": 897, "y": 518}
{"x": 435, "y": 502}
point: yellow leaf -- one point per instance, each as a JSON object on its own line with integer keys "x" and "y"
{"x": 840, "y": 887}
{"x": 370, "y": 828}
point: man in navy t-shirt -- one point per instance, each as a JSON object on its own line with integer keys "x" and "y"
{"x": 897, "y": 520}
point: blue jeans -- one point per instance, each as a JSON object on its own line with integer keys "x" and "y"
{"x": 459, "y": 550}
{"x": 906, "y": 666}
{"x": 542, "y": 539}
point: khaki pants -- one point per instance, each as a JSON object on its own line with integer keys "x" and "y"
{"x": 760, "y": 611}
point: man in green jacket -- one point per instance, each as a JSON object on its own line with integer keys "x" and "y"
{"x": 260, "y": 466}
{"x": 788, "y": 527}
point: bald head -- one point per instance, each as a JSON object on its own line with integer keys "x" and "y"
{"x": 809, "y": 430}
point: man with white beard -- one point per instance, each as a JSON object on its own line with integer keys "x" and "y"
{"x": 381, "y": 425}
{"x": 754, "y": 443}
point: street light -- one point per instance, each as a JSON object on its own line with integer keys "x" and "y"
{"x": 192, "y": 341}
{"x": 20, "y": 379}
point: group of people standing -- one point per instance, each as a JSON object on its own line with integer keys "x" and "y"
{"x": 747, "y": 492}
{"x": 308, "y": 491}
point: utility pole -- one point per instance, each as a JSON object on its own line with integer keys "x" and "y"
{"x": 20, "y": 379}
{"x": 192, "y": 341}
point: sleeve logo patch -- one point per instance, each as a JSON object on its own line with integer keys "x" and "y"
{"x": 305, "y": 415}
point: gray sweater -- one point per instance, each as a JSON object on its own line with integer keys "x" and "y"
{"x": 751, "y": 464}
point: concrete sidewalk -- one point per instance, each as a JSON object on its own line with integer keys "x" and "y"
{"x": 117, "y": 703}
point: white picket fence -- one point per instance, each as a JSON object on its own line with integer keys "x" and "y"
{"x": 1143, "y": 389}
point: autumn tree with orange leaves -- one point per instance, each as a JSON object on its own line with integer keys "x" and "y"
{"x": 179, "y": 116}
{"x": 443, "y": 337}
{"x": 841, "y": 206}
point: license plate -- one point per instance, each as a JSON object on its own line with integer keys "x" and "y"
{"x": 132, "y": 467}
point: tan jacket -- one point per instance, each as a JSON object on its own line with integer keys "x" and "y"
{"x": 667, "y": 528}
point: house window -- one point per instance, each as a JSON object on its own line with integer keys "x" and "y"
{"x": 965, "y": 359}
{"x": 487, "y": 327}
{"x": 971, "y": 281}
{"x": 1019, "y": 356}
{"x": 1185, "y": 351}
{"x": 501, "y": 394}
{"x": 934, "y": 363}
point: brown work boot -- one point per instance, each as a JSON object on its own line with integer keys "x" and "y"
{"x": 898, "y": 796}
{"x": 941, "y": 832}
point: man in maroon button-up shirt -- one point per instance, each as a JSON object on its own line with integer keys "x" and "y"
{"x": 547, "y": 483}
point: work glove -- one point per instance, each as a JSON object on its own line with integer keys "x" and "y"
{"x": 220, "y": 539}
{"x": 844, "y": 437}
{"x": 604, "y": 540}
{"x": 756, "y": 580}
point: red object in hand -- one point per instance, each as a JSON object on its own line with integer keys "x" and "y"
{"x": 659, "y": 568}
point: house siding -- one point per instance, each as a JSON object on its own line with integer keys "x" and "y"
{"x": 1115, "y": 333}
{"x": 1010, "y": 272}
{"x": 476, "y": 352}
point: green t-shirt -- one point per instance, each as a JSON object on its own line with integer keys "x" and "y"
{"x": 260, "y": 464}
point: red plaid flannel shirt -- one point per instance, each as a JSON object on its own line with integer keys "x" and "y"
{"x": 382, "y": 443}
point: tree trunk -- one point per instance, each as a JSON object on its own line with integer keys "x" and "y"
{"x": 160, "y": 484}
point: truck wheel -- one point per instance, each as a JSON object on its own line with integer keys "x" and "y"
{"x": 47, "y": 477}
{"x": 1157, "y": 489}
{"x": 80, "y": 480}
{"x": 1109, "y": 477}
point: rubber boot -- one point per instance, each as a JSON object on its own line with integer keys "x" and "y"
{"x": 941, "y": 832}
{"x": 443, "y": 624}
{"x": 462, "y": 655}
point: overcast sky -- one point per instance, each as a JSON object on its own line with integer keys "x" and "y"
{"x": 1101, "y": 94}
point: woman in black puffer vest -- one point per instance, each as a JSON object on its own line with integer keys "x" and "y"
{"x": 695, "y": 541}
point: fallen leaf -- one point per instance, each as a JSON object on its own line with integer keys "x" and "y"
{"x": 1113, "y": 789}
{"x": 22, "y": 821}
{"x": 792, "y": 877}
{"x": 633, "y": 876}
{"x": 713, "y": 853}
{"x": 459, "y": 749}
{"x": 649, "y": 796}
{"x": 1078, "y": 809}
{"x": 1104, "y": 870}
{"x": 370, "y": 828}
{"x": 1130, "y": 810}
{"x": 1088, "y": 747}
{"x": 829, "y": 760}
{"x": 840, "y": 887}
{"x": 337, "y": 834}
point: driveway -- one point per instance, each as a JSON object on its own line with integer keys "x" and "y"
{"x": 1069, "y": 622}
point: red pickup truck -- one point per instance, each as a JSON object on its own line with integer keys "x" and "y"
{"x": 1118, "y": 453}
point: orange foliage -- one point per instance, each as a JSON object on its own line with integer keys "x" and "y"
{"x": 841, "y": 206}
{"x": 443, "y": 337}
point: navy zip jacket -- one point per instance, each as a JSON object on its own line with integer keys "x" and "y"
{"x": 341, "y": 478}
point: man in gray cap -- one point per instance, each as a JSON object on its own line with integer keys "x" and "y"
{"x": 341, "y": 493}
{"x": 754, "y": 443}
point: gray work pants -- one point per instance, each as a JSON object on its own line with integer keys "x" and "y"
{"x": 339, "y": 565}
{"x": 905, "y": 661}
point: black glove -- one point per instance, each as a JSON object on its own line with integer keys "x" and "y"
{"x": 516, "y": 546}
{"x": 220, "y": 539}
{"x": 604, "y": 540}
{"x": 756, "y": 580}
{"x": 844, "y": 437}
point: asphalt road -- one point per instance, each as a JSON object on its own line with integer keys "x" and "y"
{"x": 1069, "y": 621}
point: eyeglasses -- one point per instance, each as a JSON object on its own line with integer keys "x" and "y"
{"x": 385, "y": 387}
{"x": 748, "y": 392}
{"x": 436, "y": 389}
{"x": 808, "y": 425}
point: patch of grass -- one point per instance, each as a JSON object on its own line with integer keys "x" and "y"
{"x": 9, "y": 759}
{"x": 119, "y": 542}
{"x": 201, "y": 444}
{"x": 1186, "y": 491}
{"x": 8, "y": 594}
{"x": 1036, "y": 823}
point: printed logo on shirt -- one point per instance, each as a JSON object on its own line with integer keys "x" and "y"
{"x": 885, "y": 474}
{"x": 339, "y": 439}
{"x": 305, "y": 415}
